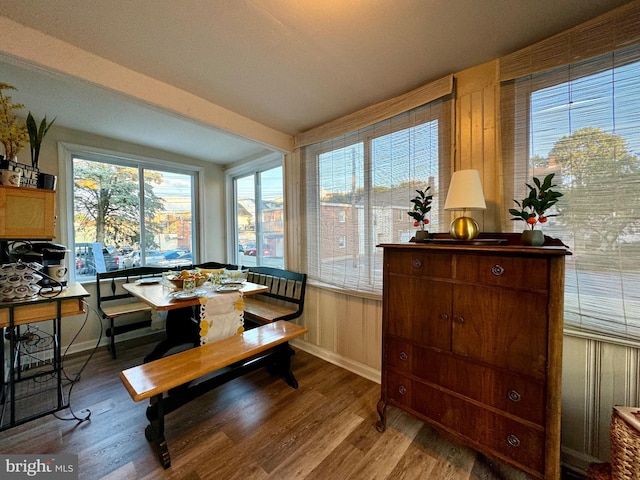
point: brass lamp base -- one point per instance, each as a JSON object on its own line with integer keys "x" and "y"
{"x": 464, "y": 228}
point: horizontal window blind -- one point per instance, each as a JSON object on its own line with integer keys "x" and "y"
{"x": 377, "y": 113}
{"x": 581, "y": 122}
{"x": 358, "y": 190}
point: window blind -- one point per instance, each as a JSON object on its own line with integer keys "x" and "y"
{"x": 358, "y": 189}
{"x": 616, "y": 29}
{"x": 581, "y": 122}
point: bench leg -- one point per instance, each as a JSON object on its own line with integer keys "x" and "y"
{"x": 112, "y": 341}
{"x": 155, "y": 430}
{"x": 282, "y": 364}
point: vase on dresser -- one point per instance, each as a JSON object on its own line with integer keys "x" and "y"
{"x": 533, "y": 238}
{"x": 421, "y": 235}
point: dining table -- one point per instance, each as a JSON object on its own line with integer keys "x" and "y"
{"x": 181, "y": 326}
{"x": 160, "y": 296}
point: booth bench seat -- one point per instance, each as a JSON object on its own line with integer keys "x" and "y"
{"x": 283, "y": 301}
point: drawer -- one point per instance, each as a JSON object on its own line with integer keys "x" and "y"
{"x": 483, "y": 428}
{"x": 517, "y": 395}
{"x": 399, "y": 389}
{"x": 39, "y": 311}
{"x": 420, "y": 263}
{"x": 517, "y": 272}
{"x": 399, "y": 355}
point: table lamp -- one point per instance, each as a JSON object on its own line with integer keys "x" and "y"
{"x": 465, "y": 193}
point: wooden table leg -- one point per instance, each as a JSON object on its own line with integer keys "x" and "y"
{"x": 155, "y": 430}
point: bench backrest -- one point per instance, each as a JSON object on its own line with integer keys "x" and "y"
{"x": 107, "y": 287}
{"x": 283, "y": 285}
{"x": 216, "y": 265}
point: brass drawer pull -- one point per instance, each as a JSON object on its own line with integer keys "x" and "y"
{"x": 514, "y": 395}
{"x": 444, "y": 316}
{"x": 497, "y": 270}
{"x": 402, "y": 390}
{"x": 459, "y": 319}
{"x": 403, "y": 356}
{"x": 513, "y": 440}
{"x": 417, "y": 263}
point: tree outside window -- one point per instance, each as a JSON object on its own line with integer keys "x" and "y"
{"x": 139, "y": 216}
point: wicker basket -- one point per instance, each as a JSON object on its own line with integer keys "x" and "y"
{"x": 625, "y": 444}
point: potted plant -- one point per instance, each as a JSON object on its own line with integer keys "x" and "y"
{"x": 533, "y": 209}
{"x": 421, "y": 206}
{"x": 36, "y": 135}
{"x": 12, "y": 133}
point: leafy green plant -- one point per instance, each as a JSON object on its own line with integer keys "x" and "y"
{"x": 541, "y": 198}
{"x": 36, "y": 135}
{"x": 12, "y": 134}
{"x": 421, "y": 206}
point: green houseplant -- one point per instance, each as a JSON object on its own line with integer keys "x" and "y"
{"x": 421, "y": 206}
{"x": 12, "y": 133}
{"x": 36, "y": 135}
{"x": 533, "y": 209}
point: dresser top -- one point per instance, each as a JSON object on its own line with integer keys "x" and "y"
{"x": 500, "y": 243}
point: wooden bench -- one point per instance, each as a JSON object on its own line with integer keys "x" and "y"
{"x": 166, "y": 381}
{"x": 283, "y": 301}
{"x": 113, "y": 302}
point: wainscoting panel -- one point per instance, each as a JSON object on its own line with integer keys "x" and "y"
{"x": 597, "y": 375}
{"x": 347, "y": 326}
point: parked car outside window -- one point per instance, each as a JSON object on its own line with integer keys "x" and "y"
{"x": 134, "y": 259}
{"x": 85, "y": 262}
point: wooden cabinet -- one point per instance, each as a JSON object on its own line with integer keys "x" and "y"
{"x": 472, "y": 344}
{"x": 26, "y": 213}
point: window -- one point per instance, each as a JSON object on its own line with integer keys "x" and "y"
{"x": 127, "y": 214}
{"x": 259, "y": 217}
{"x": 581, "y": 123}
{"x": 367, "y": 178}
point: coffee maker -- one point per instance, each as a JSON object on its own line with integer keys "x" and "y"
{"x": 44, "y": 253}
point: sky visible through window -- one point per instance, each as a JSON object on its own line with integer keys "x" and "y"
{"x": 591, "y": 101}
{"x": 406, "y": 155}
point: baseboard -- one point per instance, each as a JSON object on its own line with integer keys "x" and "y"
{"x": 577, "y": 461}
{"x": 104, "y": 341}
{"x": 356, "y": 367}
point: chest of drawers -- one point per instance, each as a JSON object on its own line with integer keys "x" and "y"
{"x": 472, "y": 344}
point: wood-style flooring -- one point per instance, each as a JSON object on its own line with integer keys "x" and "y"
{"x": 254, "y": 427}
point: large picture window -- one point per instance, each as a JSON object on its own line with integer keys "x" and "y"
{"x": 580, "y": 122}
{"x": 358, "y": 189}
{"x": 127, "y": 213}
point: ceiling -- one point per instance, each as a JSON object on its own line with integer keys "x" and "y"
{"x": 286, "y": 64}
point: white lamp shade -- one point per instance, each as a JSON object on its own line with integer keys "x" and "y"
{"x": 465, "y": 191}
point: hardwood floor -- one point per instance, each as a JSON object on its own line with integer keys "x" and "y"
{"x": 254, "y": 427}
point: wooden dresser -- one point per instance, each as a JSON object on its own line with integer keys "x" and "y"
{"x": 472, "y": 344}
